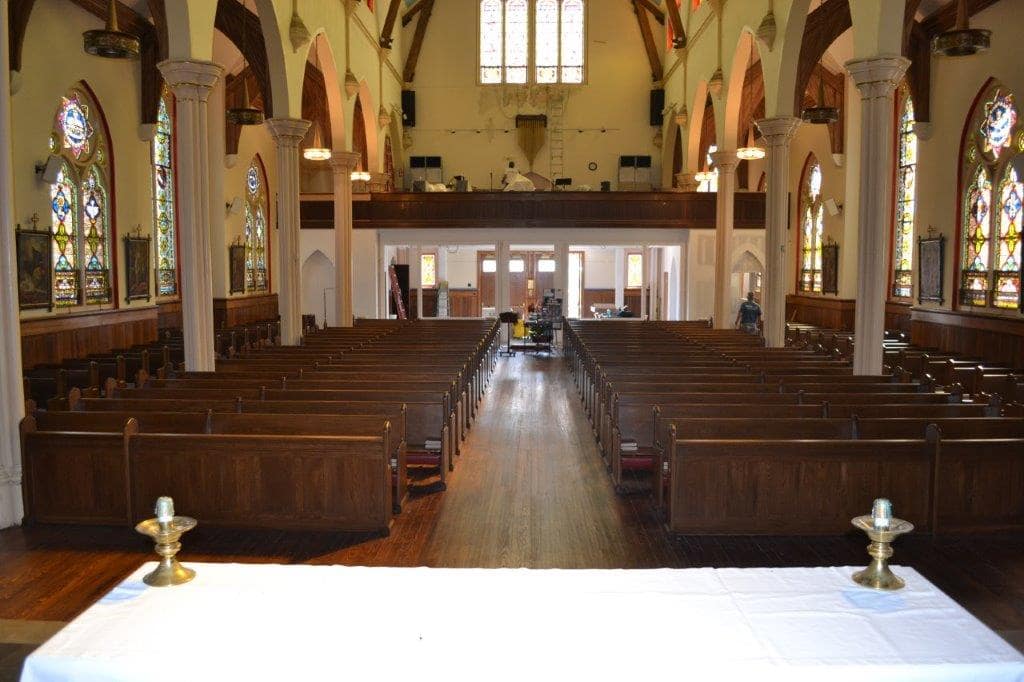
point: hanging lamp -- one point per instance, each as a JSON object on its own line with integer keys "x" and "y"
{"x": 111, "y": 42}
{"x": 247, "y": 114}
{"x": 317, "y": 152}
{"x": 962, "y": 40}
{"x": 750, "y": 152}
{"x": 298, "y": 34}
{"x": 821, "y": 114}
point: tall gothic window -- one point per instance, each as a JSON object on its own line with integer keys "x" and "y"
{"x": 555, "y": 34}
{"x": 990, "y": 231}
{"x": 164, "y": 198}
{"x": 906, "y": 176}
{"x": 812, "y": 227}
{"x": 80, "y": 203}
{"x": 256, "y": 228}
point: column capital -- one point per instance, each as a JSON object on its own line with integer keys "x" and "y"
{"x": 725, "y": 161}
{"x": 287, "y": 132}
{"x": 877, "y": 76}
{"x": 344, "y": 162}
{"x": 687, "y": 181}
{"x": 190, "y": 79}
{"x": 778, "y": 130}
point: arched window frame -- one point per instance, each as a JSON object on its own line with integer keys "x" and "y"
{"x": 165, "y": 216}
{"x": 905, "y": 206}
{"x": 532, "y": 41}
{"x": 256, "y": 229}
{"x": 989, "y": 234}
{"x": 82, "y": 203}
{"x": 811, "y": 217}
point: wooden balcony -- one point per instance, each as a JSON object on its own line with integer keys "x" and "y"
{"x": 620, "y": 210}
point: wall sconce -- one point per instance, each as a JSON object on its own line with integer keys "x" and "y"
{"x": 48, "y": 172}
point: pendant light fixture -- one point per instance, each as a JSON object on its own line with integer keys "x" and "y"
{"x": 962, "y": 40}
{"x": 821, "y": 114}
{"x": 298, "y": 34}
{"x": 717, "y": 80}
{"x": 247, "y": 114}
{"x": 351, "y": 83}
{"x": 111, "y": 42}
{"x": 751, "y": 152}
{"x": 317, "y": 152}
{"x": 767, "y": 30}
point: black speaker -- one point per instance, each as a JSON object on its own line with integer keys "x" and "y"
{"x": 643, "y": 162}
{"x": 409, "y": 108}
{"x": 433, "y": 162}
{"x": 657, "y": 104}
{"x": 627, "y": 162}
{"x": 417, "y": 162}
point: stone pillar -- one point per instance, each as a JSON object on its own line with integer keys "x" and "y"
{"x": 502, "y": 299}
{"x": 416, "y": 277}
{"x": 778, "y": 133}
{"x": 620, "y": 277}
{"x": 12, "y": 396}
{"x": 562, "y": 270}
{"x": 191, "y": 82}
{"x": 343, "y": 163}
{"x": 645, "y": 282}
{"x": 687, "y": 182}
{"x": 876, "y": 78}
{"x": 288, "y": 134}
{"x": 725, "y": 162}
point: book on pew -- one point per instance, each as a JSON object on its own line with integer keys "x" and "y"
{"x": 628, "y": 445}
{"x": 432, "y": 445}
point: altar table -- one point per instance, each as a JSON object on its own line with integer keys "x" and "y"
{"x": 271, "y": 622}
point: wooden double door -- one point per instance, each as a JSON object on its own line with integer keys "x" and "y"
{"x": 531, "y": 273}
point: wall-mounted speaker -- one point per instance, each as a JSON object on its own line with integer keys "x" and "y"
{"x": 657, "y": 106}
{"x": 409, "y": 108}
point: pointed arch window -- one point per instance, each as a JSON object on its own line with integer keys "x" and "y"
{"x": 812, "y": 227}
{"x": 256, "y": 279}
{"x": 992, "y": 168}
{"x": 166, "y": 231}
{"x": 80, "y": 204}
{"x": 555, "y": 34}
{"x": 906, "y": 183}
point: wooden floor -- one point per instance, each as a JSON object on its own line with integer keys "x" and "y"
{"x": 529, "y": 490}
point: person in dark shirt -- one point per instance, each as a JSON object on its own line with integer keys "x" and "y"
{"x": 748, "y": 315}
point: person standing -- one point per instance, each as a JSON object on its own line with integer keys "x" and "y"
{"x": 748, "y": 315}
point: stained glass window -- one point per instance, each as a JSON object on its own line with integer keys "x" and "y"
{"x": 428, "y": 270}
{"x": 555, "y": 35}
{"x": 163, "y": 199}
{"x": 906, "y": 175}
{"x": 634, "y": 270}
{"x": 255, "y": 228}
{"x": 79, "y": 205}
{"x": 812, "y": 227}
{"x": 991, "y": 220}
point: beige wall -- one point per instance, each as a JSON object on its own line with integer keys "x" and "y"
{"x": 616, "y": 97}
{"x": 955, "y": 83}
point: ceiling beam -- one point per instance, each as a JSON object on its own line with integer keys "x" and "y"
{"x": 409, "y": 72}
{"x": 944, "y": 19}
{"x": 826, "y": 23}
{"x": 17, "y": 23}
{"x": 675, "y": 20}
{"x": 389, "y": 24}
{"x": 654, "y": 10}
{"x": 412, "y": 12}
{"x": 158, "y": 11}
{"x": 235, "y": 21}
{"x": 648, "y": 37}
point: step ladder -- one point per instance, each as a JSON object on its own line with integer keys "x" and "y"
{"x": 396, "y": 293}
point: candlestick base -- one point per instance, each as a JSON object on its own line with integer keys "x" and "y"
{"x": 166, "y": 537}
{"x": 877, "y": 574}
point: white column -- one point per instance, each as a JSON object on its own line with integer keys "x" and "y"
{"x": 12, "y": 397}
{"x": 343, "y": 163}
{"x": 502, "y": 299}
{"x": 684, "y": 273}
{"x": 288, "y": 134}
{"x": 725, "y": 162}
{"x": 645, "y": 281}
{"x": 778, "y": 133}
{"x": 876, "y": 78}
{"x": 620, "y": 277}
{"x": 416, "y": 277}
{"x": 562, "y": 270}
{"x": 191, "y": 82}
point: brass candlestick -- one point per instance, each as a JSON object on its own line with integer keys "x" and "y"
{"x": 166, "y": 530}
{"x": 882, "y": 528}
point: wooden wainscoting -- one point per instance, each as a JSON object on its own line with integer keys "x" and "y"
{"x": 53, "y": 339}
{"x": 592, "y": 296}
{"x": 429, "y": 303}
{"x": 463, "y": 303}
{"x": 228, "y": 312}
{"x": 168, "y": 315}
{"x": 897, "y": 317}
{"x": 993, "y": 338}
{"x": 633, "y": 299}
{"x": 828, "y": 312}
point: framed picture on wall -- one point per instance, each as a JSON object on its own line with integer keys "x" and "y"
{"x": 236, "y": 268}
{"x": 931, "y": 256}
{"x": 34, "y": 282}
{"x": 830, "y": 268}
{"x": 137, "y": 258}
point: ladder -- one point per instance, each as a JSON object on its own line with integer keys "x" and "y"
{"x": 396, "y": 293}
{"x": 556, "y": 144}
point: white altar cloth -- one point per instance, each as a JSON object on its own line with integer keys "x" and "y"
{"x": 271, "y": 622}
